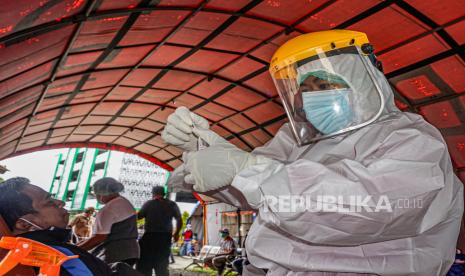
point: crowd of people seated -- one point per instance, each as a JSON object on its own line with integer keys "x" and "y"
{"x": 31, "y": 212}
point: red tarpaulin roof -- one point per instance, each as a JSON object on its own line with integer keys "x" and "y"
{"x": 107, "y": 73}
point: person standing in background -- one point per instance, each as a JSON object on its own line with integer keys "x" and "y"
{"x": 156, "y": 242}
{"x": 32, "y": 213}
{"x": 186, "y": 247}
{"x": 82, "y": 224}
{"x": 115, "y": 237}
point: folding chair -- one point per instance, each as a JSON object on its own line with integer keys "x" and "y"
{"x": 214, "y": 251}
{"x": 199, "y": 260}
{"x": 229, "y": 268}
{"x": 18, "y": 270}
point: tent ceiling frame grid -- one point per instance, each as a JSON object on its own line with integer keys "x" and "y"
{"x": 455, "y": 49}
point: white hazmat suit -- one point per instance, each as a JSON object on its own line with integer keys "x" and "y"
{"x": 399, "y": 158}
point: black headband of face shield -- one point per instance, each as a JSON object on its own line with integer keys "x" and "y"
{"x": 366, "y": 49}
{"x": 374, "y": 60}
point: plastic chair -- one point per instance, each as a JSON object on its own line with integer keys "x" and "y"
{"x": 31, "y": 253}
{"x": 20, "y": 269}
{"x": 199, "y": 261}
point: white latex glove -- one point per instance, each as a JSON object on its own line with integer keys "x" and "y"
{"x": 179, "y": 129}
{"x": 216, "y": 166}
{"x": 176, "y": 181}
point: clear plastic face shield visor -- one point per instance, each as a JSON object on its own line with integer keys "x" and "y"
{"x": 329, "y": 94}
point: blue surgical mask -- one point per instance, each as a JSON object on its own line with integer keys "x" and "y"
{"x": 329, "y": 111}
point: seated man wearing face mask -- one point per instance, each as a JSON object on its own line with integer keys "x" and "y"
{"x": 30, "y": 212}
{"x": 351, "y": 185}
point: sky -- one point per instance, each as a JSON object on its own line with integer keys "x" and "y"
{"x": 37, "y": 166}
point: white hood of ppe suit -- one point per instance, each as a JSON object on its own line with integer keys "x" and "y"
{"x": 400, "y": 156}
{"x": 365, "y": 96}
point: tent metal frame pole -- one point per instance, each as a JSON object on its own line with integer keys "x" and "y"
{"x": 432, "y": 31}
{"x": 433, "y": 25}
{"x": 90, "y": 6}
{"x": 369, "y": 12}
{"x": 64, "y": 127}
{"x": 185, "y": 56}
{"x": 116, "y": 39}
{"x": 266, "y": 41}
{"x": 348, "y": 22}
{"x": 153, "y": 50}
{"x": 205, "y": 226}
{"x": 79, "y": 19}
{"x": 390, "y": 75}
{"x": 239, "y": 222}
{"x": 424, "y": 62}
{"x": 22, "y": 35}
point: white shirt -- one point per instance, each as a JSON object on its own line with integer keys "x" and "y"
{"x": 118, "y": 209}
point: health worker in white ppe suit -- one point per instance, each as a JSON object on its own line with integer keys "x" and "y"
{"x": 375, "y": 186}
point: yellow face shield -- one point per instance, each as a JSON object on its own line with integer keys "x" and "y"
{"x": 329, "y": 94}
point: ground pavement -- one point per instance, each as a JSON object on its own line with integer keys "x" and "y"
{"x": 177, "y": 269}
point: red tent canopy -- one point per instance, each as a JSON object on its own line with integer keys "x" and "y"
{"x": 107, "y": 73}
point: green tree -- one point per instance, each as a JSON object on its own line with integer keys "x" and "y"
{"x": 184, "y": 216}
{"x": 1, "y": 180}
